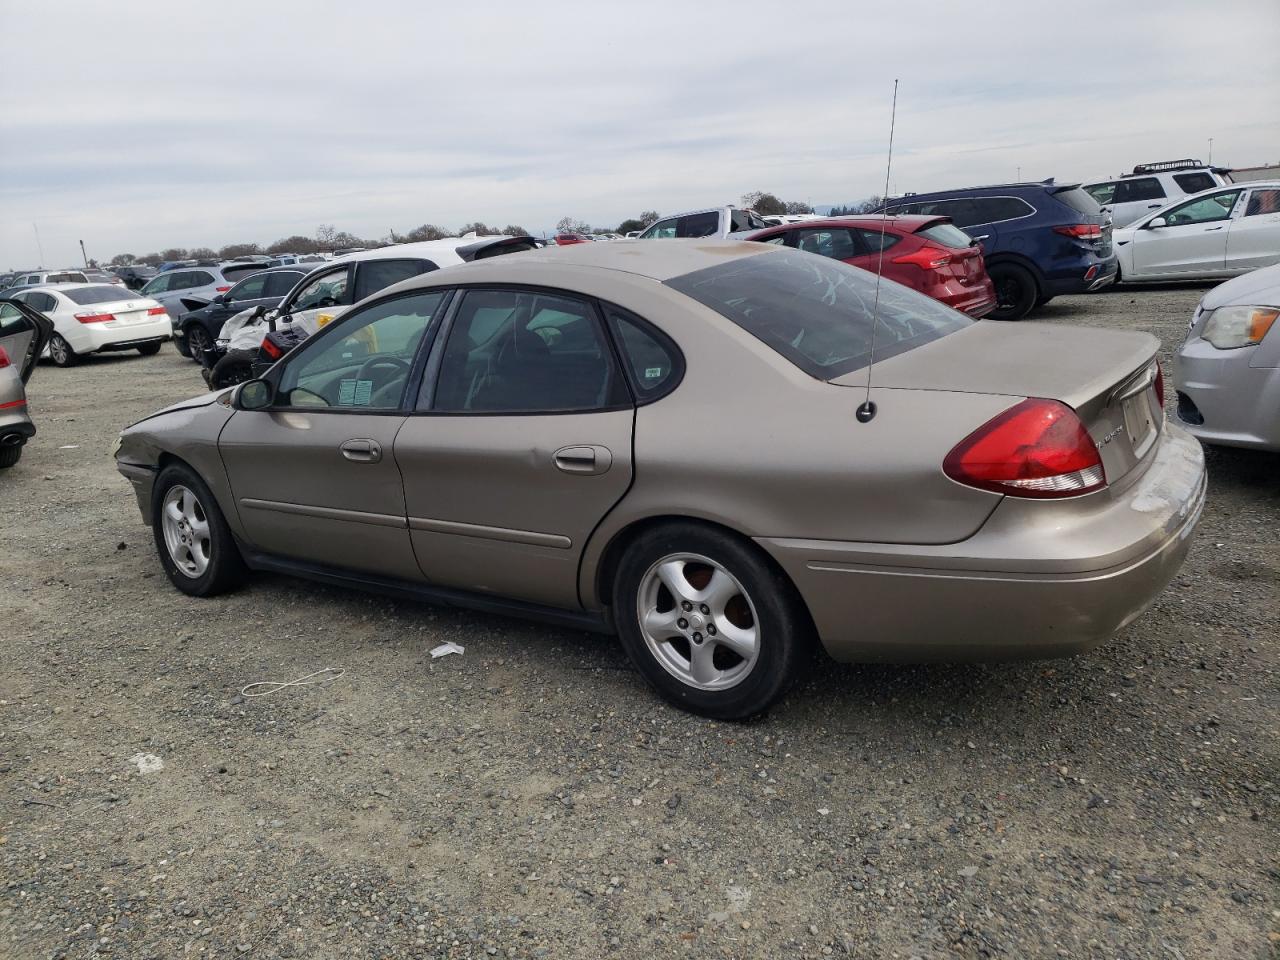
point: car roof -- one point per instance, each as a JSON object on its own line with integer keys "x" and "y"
{"x": 422, "y": 248}
{"x": 1050, "y": 185}
{"x": 655, "y": 259}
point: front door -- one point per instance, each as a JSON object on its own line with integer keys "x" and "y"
{"x": 1254, "y": 238}
{"x": 24, "y": 332}
{"x": 1192, "y": 241}
{"x": 521, "y": 446}
{"x": 314, "y": 476}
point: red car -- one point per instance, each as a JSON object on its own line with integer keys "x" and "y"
{"x": 564, "y": 239}
{"x": 928, "y": 254}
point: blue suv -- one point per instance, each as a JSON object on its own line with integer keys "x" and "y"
{"x": 1039, "y": 239}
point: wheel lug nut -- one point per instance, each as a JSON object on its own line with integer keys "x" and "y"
{"x": 686, "y": 606}
{"x": 704, "y": 608}
{"x": 697, "y": 637}
{"x": 682, "y": 623}
{"x": 711, "y": 629}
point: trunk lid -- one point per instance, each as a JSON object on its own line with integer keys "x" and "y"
{"x": 1106, "y": 376}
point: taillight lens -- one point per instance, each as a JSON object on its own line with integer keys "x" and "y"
{"x": 1081, "y": 231}
{"x": 95, "y": 317}
{"x": 1159, "y": 385}
{"x": 927, "y": 258}
{"x": 1038, "y": 448}
{"x": 222, "y": 289}
{"x": 4, "y": 359}
{"x": 156, "y": 312}
{"x": 272, "y": 349}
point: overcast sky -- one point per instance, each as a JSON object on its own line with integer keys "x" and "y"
{"x": 140, "y": 125}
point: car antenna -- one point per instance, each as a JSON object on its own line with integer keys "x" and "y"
{"x": 866, "y": 413}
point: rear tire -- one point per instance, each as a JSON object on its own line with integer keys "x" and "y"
{"x": 196, "y": 548}
{"x": 235, "y": 367}
{"x": 709, "y": 623}
{"x": 1016, "y": 291}
{"x": 60, "y": 352}
{"x": 10, "y": 454}
{"x": 150, "y": 349}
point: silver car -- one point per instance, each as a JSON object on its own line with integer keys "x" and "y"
{"x": 673, "y": 441}
{"x": 172, "y": 287}
{"x": 23, "y": 336}
{"x": 1227, "y": 372}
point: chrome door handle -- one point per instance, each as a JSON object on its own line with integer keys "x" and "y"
{"x": 585, "y": 460}
{"x": 1211, "y": 229}
{"x": 362, "y": 451}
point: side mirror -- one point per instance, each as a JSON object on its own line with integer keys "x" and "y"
{"x": 253, "y": 395}
{"x": 1157, "y": 223}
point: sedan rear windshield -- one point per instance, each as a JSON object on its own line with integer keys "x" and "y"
{"x": 104, "y": 294}
{"x": 946, "y": 234}
{"x": 818, "y": 312}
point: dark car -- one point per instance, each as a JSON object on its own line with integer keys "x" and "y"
{"x": 924, "y": 253}
{"x": 195, "y": 331}
{"x": 1039, "y": 239}
{"x": 135, "y": 277}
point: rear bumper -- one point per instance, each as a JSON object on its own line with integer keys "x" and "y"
{"x": 16, "y": 425}
{"x": 1025, "y": 586}
{"x": 1090, "y": 275}
{"x": 98, "y": 338}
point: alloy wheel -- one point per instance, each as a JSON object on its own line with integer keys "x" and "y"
{"x": 186, "y": 531}
{"x": 698, "y": 621}
{"x": 59, "y": 350}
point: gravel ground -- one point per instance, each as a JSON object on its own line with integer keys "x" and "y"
{"x": 531, "y": 799}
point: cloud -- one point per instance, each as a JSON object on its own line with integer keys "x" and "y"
{"x": 157, "y": 124}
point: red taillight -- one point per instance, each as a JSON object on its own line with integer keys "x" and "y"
{"x": 4, "y": 359}
{"x": 222, "y": 289}
{"x": 926, "y": 258}
{"x": 1081, "y": 231}
{"x": 1159, "y": 384}
{"x": 271, "y": 349}
{"x": 95, "y": 317}
{"x": 156, "y": 312}
{"x": 1038, "y": 448}
{"x": 12, "y": 404}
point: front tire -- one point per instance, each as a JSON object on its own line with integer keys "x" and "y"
{"x": 198, "y": 340}
{"x": 235, "y": 367}
{"x": 1016, "y": 291}
{"x": 196, "y": 548}
{"x": 60, "y": 352}
{"x": 708, "y": 622}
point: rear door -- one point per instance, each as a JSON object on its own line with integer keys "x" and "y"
{"x": 1253, "y": 239}
{"x": 1134, "y": 198}
{"x": 24, "y": 334}
{"x": 520, "y": 446}
{"x": 1193, "y": 240}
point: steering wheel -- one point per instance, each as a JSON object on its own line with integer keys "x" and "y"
{"x": 382, "y": 361}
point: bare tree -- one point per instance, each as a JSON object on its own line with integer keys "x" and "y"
{"x": 765, "y": 204}
{"x": 570, "y": 225}
{"x": 122, "y": 258}
{"x": 233, "y": 250}
{"x": 174, "y": 253}
{"x": 479, "y": 228}
{"x": 511, "y": 230}
{"x": 649, "y": 218}
{"x": 428, "y": 231}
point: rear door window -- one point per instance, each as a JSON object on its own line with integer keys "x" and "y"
{"x": 520, "y": 351}
{"x": 1261, "y": 202}
{"x": 252, "y": 289}
{"x": 837, "y": 244}
{"x": 698, "y": 225}
{"x": 375, "y": 275}
{"x": 1139, "y": 188}
{"x": 998, "y": 209}
{"x": 1194, "y": 182}
{"x": 818, "y": 313}
{"x": 279, "y": 284}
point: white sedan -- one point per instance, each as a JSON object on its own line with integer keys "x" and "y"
{"x": 96, "y": 318}
{"x": 1217, "y": 233}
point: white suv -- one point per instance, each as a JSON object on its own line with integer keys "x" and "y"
{"x": 711, "y": 222}
{"x": 1152, "y": 186}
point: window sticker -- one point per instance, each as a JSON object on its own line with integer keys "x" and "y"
{"x": 652, "y": 373}
{"x": 354, "y": 393}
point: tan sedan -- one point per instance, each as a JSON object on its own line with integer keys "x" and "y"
{"x": 663, "y": 440}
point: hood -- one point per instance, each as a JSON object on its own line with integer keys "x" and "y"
{"x": 1259, "y": 288}
{"x": 203, "y": 400}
